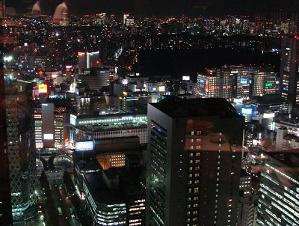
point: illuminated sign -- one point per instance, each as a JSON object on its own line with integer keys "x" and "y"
{"x": 244, "y": 81}
{"x": 246, "y": 111}
{"x": 73, "y": 119}
{"x": 48, "y": 136}
{"x": 201, "y": 81}
{"x": 84, "y": 146}
{"x": 186, "y": 78}
{"x": 42, "y": 88}
{"x": 268, "y": 115}
{"x": 268, "y": 84}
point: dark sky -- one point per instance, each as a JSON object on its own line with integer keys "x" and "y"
{"x": 168, "y": 7}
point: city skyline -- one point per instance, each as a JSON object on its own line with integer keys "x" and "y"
{"x": 149, "y": 113}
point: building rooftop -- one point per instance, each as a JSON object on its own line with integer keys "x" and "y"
{"x": 177, "y": 107}
{"x": 114, "y": 185}
{"x": 286, "y": 161}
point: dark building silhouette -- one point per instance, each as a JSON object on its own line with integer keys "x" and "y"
{"x": 5, "y": 202}
{"x": 289, "y": 70}
{"x": 193, "y": 164}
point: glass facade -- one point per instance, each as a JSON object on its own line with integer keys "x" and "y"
{"x": 157, "y": 174}
{"x": 278, "y": 202}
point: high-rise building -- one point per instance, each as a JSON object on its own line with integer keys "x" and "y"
{"x": 194, "y": 162}
{"x": 279, "y": 190}
{"x": 5, "y": 202}
{"x": 87, "y": 60}
{"x": 289, "y": 70}
{"x": 49, "y": 120}
{"x": 20, "y": 150}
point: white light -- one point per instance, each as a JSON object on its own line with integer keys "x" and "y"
{"x": 186, "y": 78}
{"x": 73, "y": 119}
{"x": 7, "y": 58}
{"x": 268, "y": 115}
{"x": 84, "y": 146}
{"x": 48, "y": 136}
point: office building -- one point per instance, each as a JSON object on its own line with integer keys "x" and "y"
{"x": 20, "y": 150}
{"x": 87, "y": 60}
{"x": 109, "y": 175}
{"x": 289, "y": 70}
{"x": 215, "y": 83}
{"x": 287, "y": 132}
{"x": 5, "y": 202}
{"x": 114, "y": 197}
{"x": 98, "y": 78}
{"x": 237, "y": 82}
{"x": 49, "y": 120}
{"x": 278, "y": 194}
{"x": 247, "y": 207}
{"x": 108, "y": 126}
{"x": 193, "y": 162}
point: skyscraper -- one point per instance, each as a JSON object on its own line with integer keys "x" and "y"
{"x": 19, "y": 148}
{"x": 279, "y": 190}
{"x": 5, "y": 204}
{"x": 194, "y": 160}
{"x": 289, "y": 70}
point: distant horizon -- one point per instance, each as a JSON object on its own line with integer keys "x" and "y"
{"x": 155, "y": 7}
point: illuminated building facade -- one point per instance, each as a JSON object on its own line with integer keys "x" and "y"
{"x": 114, "y": 200}
{"x": 237, "y": 82}
{"x": 87, "y": 60}
{"x": 287, "y": 133}
{"x": 194, "y": 161}
{"x": 49, "y": 123}
{"x": 289, "y": 70}
{"x": 215, "y": 84}
{"x": 108, "y": 126}
{"x": 97, "y": 79}
{"x": 20, "y": 151}
{"x": 279, "y": 190}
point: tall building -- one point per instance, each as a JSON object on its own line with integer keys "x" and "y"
{"x": 20, "y": 150}
{"x": 87, "y": 60}
{"x": 49, "y": 120}
{"x": 279, "y": 190}
{"x": 194, "y": 161}
{"x": 289, "y": 70}
{"x": 5, "y": 202}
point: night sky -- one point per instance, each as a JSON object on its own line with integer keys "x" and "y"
{"x": 170, "y": 7}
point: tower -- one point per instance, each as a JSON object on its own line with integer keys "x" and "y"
{"x": 193, "y": 162}
{"x": 289, "y": 70}
{"x": 5, "y": 204}
{"x": 20, "y": 150}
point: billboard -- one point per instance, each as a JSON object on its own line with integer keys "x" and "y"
{"x": 84, "y": 146}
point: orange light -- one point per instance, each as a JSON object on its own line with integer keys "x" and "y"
{"x": 43, "y": 88}
{"x": 40, "y": 73}
{"x": 81, "y": 54}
